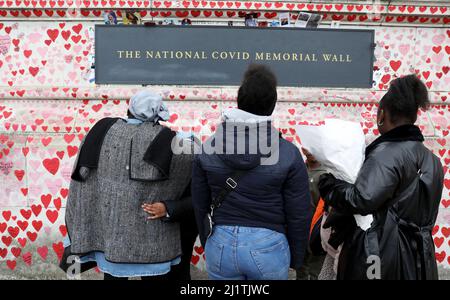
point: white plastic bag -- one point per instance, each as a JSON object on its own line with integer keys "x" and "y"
{"x": 339, "y": 146}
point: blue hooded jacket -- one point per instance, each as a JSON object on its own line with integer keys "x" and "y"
{"x": 273, "y": 196}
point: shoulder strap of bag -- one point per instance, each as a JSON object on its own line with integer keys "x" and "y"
{"x": 230, "y": 185}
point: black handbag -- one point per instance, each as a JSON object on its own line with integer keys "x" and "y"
{"x": 230, "y": 185}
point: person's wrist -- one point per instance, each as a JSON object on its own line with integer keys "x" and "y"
{"x": 166, "y": 208}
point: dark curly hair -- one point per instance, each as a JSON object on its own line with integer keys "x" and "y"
{"x": 404, "y": 98}
{"x": 258, "y": 91}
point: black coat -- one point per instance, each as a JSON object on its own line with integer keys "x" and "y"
{"x": 401, "y": 184}
{"x": 183, "y": 213}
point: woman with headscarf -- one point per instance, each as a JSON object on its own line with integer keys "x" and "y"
{"x": 128, "y": 195}
{"x": 400, "y": 183}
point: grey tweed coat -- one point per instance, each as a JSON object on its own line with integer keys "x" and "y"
{"x": 104, "y": 212}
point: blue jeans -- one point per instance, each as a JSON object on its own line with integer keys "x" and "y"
{"x": 245, "y": 253}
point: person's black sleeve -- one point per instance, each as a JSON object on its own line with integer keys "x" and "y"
{"x": 182, "y": 209}
{"x": 201, "y": 197}
{"x": 298, "y": 210}
{"x": 376, "y": 184}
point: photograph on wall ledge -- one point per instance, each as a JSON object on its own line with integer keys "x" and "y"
{"x": 250, "y": 20}
{"x": 130, "y": 17}
{"x": 110, "y": 18}
{"x": 220, "y": 149}
{"x": 307, "y": 20}
{"x": 285, "y": 19}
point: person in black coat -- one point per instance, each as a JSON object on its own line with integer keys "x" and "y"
{"x": 400, "y": 183}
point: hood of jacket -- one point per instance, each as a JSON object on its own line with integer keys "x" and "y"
{"x": 244, "y": 139}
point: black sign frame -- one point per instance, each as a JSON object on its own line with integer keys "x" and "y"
{"x": 368, "y": 83}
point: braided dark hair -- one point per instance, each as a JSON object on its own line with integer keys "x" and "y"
{"x": 404, "y": 98}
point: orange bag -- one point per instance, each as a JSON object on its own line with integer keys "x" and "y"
{"x": 317, "y": 214}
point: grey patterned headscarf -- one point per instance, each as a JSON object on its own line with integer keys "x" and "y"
{"x": 148, "y": 106}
